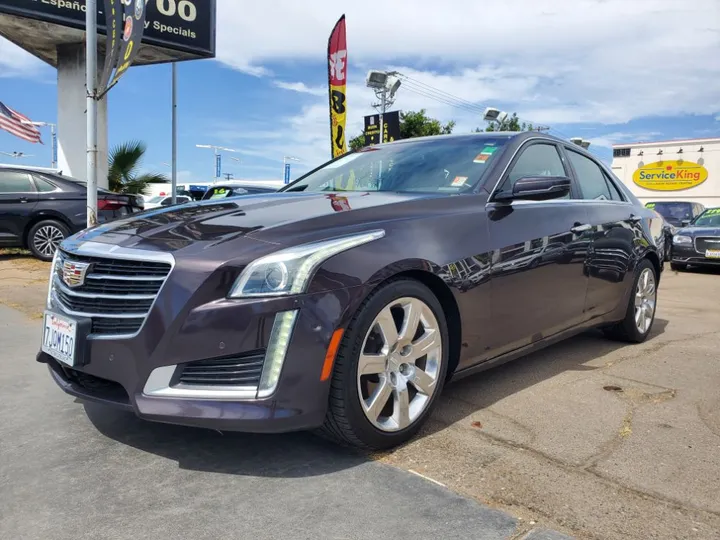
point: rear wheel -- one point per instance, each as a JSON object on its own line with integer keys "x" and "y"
{"x": 640, "y": 316}
{"x": 390, "y": 368}
{"x": 45, "y": 237}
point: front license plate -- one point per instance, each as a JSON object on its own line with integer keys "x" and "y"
{"x": 712, "y": 253}
{"x": 59, "y": 337}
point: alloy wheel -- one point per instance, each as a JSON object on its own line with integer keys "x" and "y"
{"x": 399, "y": 364}
{"x": 47, "y": 239}
{"x": 645, "y": 300}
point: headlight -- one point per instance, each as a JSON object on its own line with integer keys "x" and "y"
{"x": 53, "y": 268}
{"x": 681, "y": 239}
{"x": 289, "y": 271}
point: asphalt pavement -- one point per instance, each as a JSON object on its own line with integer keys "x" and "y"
{"x": 75, "y": 471}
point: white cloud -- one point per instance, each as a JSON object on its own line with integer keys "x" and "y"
{"x": 301, "y": 87}
{"x": 555, "y": 61}
{"x": 15, "y": 62}
{"x": 618, "y": 137}
{"x": 717, "y": 118}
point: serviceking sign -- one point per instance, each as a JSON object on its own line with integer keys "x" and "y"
{"x": 670, "y": 175}
{"x": 682, "y": 170}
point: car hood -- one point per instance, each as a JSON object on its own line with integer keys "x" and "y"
{"x": 277, "y": 218}
{"x": 699, "y": 231}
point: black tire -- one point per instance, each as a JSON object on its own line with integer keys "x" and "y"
{"x": 39, "y": 235}
{"x": 678, "y": 267}
{"x": 626, "y": 330}
{"x": 345, "y": 421}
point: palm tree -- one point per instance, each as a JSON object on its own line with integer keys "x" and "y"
{"x": 123, "y": 176}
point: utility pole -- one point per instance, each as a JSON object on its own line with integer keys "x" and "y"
{"x": 91, "y": 116}
{"x": 173, "y": 196}
{"x": 385, "y": 84}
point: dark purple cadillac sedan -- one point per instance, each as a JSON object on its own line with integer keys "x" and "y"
{"x": 346, "y": 301}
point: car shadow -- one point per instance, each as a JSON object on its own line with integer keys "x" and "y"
{"x": 297, "y": 455}
{"x": 288, "y": 455}
{"x": 474, "y": 393}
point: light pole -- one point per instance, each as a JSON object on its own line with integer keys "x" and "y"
{"x": 385, "y": 84}
{"x": 174, "y": 133}
{"x": 53, "y": 140}
{"x": 91, "y": 12}
{"x": 238, "y": 160}
{"x": 218, "y": 157}
{"x": 286, "y": 167}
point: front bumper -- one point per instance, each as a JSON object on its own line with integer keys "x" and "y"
{"x": 116, "y": 371}
{"x": 686, "y": 254}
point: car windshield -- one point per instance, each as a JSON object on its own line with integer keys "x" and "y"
{"x": 709, "y": 218}
{"x": 156, "y": 199}
{"x": 220, "y": 192}
{"x": 445, "y": 164}
{"x": 673, "y": 211}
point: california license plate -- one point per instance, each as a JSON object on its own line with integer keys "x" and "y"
{"x": 712, "y": 254}
{"x": 59, "y": 337}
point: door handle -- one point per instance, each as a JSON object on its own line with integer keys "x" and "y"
{"x": 579, "y": 229}
{"x": 24, "y": 199}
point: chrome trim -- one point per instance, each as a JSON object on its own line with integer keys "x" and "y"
{"x": 75, "y": 246}
{"x": 126, "y": 278}
{"x": 71, "y": 292}
{"x": 158, "y": 383}
{"x": 57, "y": 304}
{"x": 561, "y": 201}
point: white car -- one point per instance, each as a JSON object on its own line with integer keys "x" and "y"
{"x": 165, "y": 200}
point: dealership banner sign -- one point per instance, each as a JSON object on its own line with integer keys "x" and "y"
{"x": 114, "y": 20}
{"x": 337, "y": 83}
{"x": 133, "y": 27}
{"x": 391, "y": 128}
{"x": 186, "y": 26}
{"x": 670, "y": 175}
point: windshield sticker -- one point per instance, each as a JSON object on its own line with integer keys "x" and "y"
{"x": 481, "y": 158}
{"x": 342, "y": 161}
{"x": 489, "y": 150}
{"x": 712, "y": 212}
{"x": 459, "y": 181}
{"x": 650, "y": 205}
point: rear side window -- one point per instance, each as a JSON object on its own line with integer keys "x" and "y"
{"x": 43, "y": 186}
{"x": 593, "y": 181}
{"x": 15, "y": 182}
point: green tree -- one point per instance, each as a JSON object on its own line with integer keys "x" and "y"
{"x": 356, "y": 143}
{"x": 419, "y": 124}
{"x": 124, "y": 162}
{"x": 412, "y": 124}
{"x": 511, "y": 123}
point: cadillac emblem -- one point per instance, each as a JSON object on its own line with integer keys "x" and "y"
{"x": 73, "y": 273}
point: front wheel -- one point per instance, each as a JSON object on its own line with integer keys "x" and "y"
{"x": 389, "y": 369}
{"x": 640, "y": 315}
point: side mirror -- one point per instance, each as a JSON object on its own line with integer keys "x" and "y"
{"x": 685, "y": 222}
{"x": 541, "y": 188}
{"x": 166, "y": 202}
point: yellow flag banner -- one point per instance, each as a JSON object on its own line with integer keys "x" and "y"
{"x": 337, "y": 82}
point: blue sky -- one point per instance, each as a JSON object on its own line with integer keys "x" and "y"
{"x": 605, "y": 70}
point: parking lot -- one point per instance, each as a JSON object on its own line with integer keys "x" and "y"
{"x": 589, "y": 437}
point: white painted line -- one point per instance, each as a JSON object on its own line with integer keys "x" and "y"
{"x": 427, "y": 478}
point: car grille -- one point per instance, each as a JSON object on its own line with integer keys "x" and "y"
{"x": 244, "y": 370}
{"x": 703, "y": 243}
{"x": 116, "y": 294}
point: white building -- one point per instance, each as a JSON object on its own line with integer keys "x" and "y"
{"x": 683, "y": 170}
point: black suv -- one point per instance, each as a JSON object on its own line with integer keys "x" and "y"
{"x": 38, "y": 210}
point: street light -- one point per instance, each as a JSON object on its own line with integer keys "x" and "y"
{"x": 495, "y": 115}
{"x": 218, "y": 157}
{"x": 580, "y": 142}
{"x": 385, "y": 84}
{"x": 286, "y": 167}
{"x": 53, "y": 139}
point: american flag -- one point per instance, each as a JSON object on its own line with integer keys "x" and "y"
{"x": 12, "y": 122}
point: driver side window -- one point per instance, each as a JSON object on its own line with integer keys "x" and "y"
{"x": 535, "y": 160}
